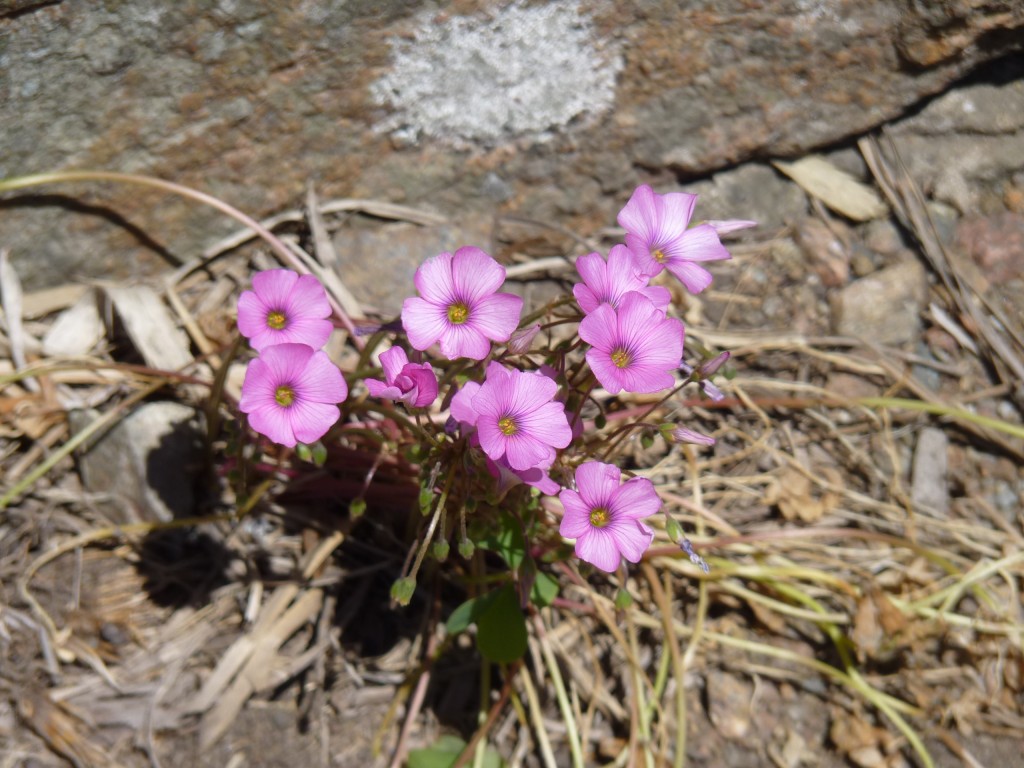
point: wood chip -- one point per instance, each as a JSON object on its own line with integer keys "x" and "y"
{"x": 151, "y": 327}
{"x": 77, "y": 330}
{"x": 835, "y": 188}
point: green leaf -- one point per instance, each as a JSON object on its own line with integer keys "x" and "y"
{"x": 544, "y": 590}
{"x": 507, "y": 541}
{"x": 501, "y": 627}
{"x": 623, "y": 599}
{"x": 462, "y": 617}
{"x": 445, "y": 751}
{"x": 441, "y": 754}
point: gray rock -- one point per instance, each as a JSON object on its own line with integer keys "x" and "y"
{"x": 753, "y": 191}
{"x": 966, "y": 144}
{"x": 148, "y": 462}
{"x": 884, "y": 307}
{"x": 251, "y": 101}
{"x": 379, "y": 261}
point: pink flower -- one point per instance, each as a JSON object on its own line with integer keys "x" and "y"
{"x": 517, "y": 418}
{"x": 635, "y": 348}
{"x": 459, "y": 305}
{"x": 535, "y": 477}
{"x": 284, "y": 308}
{"x": 657, "y": 235}
{"x": 414, "y": 384}
{"x": 604, "y": 517}
{"x": 290, "y": 393}
{"x": 607, "y": 283}
{"x": 464, "y": 413}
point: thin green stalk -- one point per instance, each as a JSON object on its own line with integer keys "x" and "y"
{"x": 938, "y": 409}
{"x": 438, "y": 513}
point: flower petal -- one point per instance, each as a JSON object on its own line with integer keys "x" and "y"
{"x": 691, "y": 275}
{"x": 287, "y": 361}
{"x": 598, "y": 547}
{"x": 464, "y": 341}
{"x": 272, "y": 421}
{"x": 308, "y": 298}
{"x": 252, "y": 314}
{"x": 632, "y": 538}
{"x": 257, "y": 387}
{"x": 576, "y": 520}
{"x": 310, "y": 421}
{"x": 462, "y": 408}
{"x": 634, "y": 499}
{"x": 321, "y": 381}
{"x": 424, "y": 323}
{"x": 609, "y": 375}
{"x": 599, "y": 328}
{"x": 597, "y": 483}
{"x": 434, "y": 282}
{"x": 496, "y": 316}
{"x": 380, "y": 389}
{"x": 273, "y": 287}
{"x": 523, "y": 450}
{"x": 698, "y": 244}
{"x": 393, "y": 361}
{"x": 677, "y": 210}
{"x": 475, "y": 275}
{"x": 425, "y": 382}
{"x": 639, "y": 216}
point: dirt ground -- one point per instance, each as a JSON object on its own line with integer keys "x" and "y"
{"x": 860, "y": 511}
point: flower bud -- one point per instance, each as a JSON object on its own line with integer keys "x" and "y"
{"x": 684, "y": 435}
{"x": 519, "y": 342}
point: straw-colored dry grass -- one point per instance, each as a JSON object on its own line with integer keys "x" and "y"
{"x": 840, "y": 622}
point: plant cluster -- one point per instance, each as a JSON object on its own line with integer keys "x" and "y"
{"x": 501, "y": 410}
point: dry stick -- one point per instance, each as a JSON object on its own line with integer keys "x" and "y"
{"x": 283, "y": 252}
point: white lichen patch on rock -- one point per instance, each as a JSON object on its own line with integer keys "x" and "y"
{"x": 516, "y": 72}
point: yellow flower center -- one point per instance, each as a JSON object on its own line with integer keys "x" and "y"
{"x": 659, "y": 255}
{"x": 507, "y": 426}
{"x": 600, "y": 517}
{"x": 621, "y": 358}
{"x": 276, "y": 320}
{"x": 458, "y": 313}
{"x": 284, "y": 395}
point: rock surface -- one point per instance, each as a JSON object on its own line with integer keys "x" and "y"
{"x": 148, "y": 462}
{"x": 884, "y": 307}
{"x": 251, "y": 101}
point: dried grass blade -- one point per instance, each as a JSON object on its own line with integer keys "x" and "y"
{"x": 11, "y": 298}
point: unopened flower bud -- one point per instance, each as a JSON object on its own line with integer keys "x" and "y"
{"x": 731, "y": 225}
{"x": 685, "y": 435}
{"x": 402, "y": 590}
{"x": 711, "y": 366}
{"x": 673, "y": 528}
{"x": 519, "y": 342}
